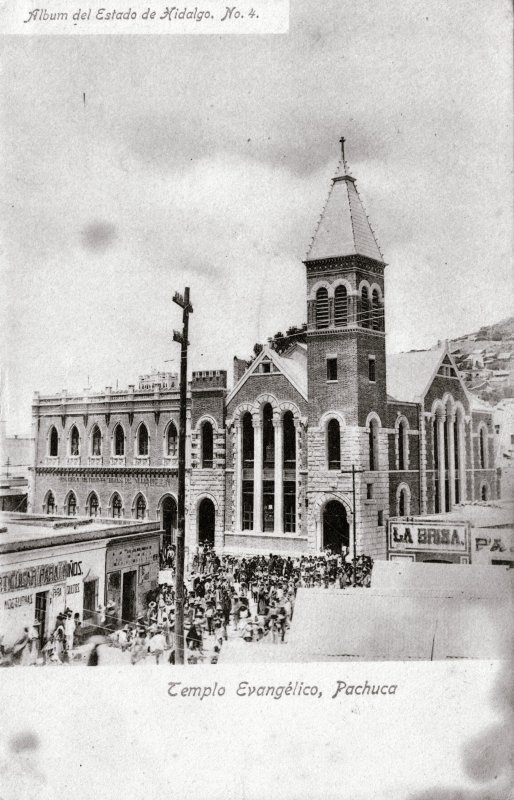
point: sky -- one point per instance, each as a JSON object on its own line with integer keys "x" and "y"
{"x": 133, "y": 166}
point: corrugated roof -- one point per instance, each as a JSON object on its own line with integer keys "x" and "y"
{"x": 408, "y": 374}
{"x": 343, "y": 228}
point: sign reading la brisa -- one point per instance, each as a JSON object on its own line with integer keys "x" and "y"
{"x": 41, "y": 575}
{"x": 410, "y": 536}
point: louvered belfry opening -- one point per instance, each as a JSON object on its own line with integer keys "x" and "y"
{"x": 341, "y": 307}
{"x": 322, "y": 313}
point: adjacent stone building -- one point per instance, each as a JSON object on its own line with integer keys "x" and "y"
{"x": 312, "y": 448}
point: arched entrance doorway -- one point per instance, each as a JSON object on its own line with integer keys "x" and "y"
{"x": 206, "y": 521}
{"x": 169, "y": 520}
{"x": 335, "y": 526}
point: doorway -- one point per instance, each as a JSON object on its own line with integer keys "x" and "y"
{"x": 169, "y": 520}
{"x": 41, "y": 616}
{"x": 335, "y": 527}
{"x": 128, "y": 602}
{"x": 206, "y": 521}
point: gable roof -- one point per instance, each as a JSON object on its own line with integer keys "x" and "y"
{"x": 293, "y": 369}
{"x": 409, "y": 374}
{"x": 343, "y": 228}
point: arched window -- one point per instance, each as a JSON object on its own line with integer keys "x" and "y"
{"x": 71, "y": 505}
{"x": 403, "y": 503}
{"x": 456, "y": 456}
{"x": 116, "y": 506}
{"x": 119, "y": 441}
{"x": 484, "y": 492}
{"x": 268, "y": 436}
{"x": 171, "y": 441}
{"x": 482, "y": 443}
{"x": 334, "y": 444}
{"x": 248, "y": 442}
{"x": 373, "y": 445}
{"x": 402, "y": 445}
{"x": 207, "y": 445}
{"x": 50, "y": 503}
{"x": 435, "y": 444}
{"x": 92, "y": 505}
{"x": 140, "y": 507}
{"x": 365, "y": 315}
{"x": 376, "y": 311}
{"x": 289, "y": 440}
{"x": 96, "y": 442}
{"x": 53, "y": 442}
{"x": 341, "y": 307}
{"x": 74, "y": 442}
{"x": 142, "y": 440}
{"x": 322, "y": 313}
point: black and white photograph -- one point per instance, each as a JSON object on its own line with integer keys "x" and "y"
{"x": 257, "y": 400}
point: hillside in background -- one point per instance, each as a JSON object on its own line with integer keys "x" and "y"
{"x": 486, "y": 360}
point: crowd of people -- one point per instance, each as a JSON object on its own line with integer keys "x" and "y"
{"x": 225, "y": 595}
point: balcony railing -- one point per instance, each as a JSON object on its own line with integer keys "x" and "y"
{"x": 142, "y": 461}
{"x": 118, "y": 461}
{"x": 95, "y": 461}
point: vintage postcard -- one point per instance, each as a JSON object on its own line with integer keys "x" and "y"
{"x": 256, "y": 400}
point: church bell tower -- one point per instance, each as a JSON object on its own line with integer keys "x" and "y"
{"x": 345, "y": 309}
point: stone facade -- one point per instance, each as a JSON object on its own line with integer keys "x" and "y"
{"x": 310, "y": 448}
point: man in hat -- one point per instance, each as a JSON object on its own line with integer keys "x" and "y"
{"x": 69, "y": 629}
{"x": 157, "y": 644}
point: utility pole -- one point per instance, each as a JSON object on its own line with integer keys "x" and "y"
{"x": 353, "y": 471}
{"x": 187, "y": 309}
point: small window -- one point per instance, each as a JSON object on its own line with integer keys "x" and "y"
{"x": 54, "y": 442}
{"x": 71, "y": 506}
{"x": 96, "y": 442}
{"x": 266, "y": 367}
{"x": 119, "y": 441}
{"x": 373, "y": 445}
{"x": 369, "y": 491}
{"x": 380, "y": 518}
{"x": 172, "y": 441}
{"x": 93, "y": 505}
{"x": 207, "y": 446}
{"x": 74, "y": 442}
{"x": 140, "y": 507}
{"x": 116, "y": 506}
{"x": 334, "y": 444}
{"x": 372, "y": 371}
{"x": 50, "y": 504}
{"x": 482, "y": 442}
{"x": 401, "y": 503}
{"x": 142, "y": 440}
{"x": 331, "y": 369}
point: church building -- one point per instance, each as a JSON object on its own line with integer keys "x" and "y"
{"x": 311, "y": 448}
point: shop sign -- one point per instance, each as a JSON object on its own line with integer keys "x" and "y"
{"x": 42, "y": 575}
{"x": 17, "y": 602}
{"x": 494, "y": 544}
{"x": 129, "y": 555}
{"x": 438, "y": 536}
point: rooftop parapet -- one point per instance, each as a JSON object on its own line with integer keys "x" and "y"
{"x": 209, "y": 379}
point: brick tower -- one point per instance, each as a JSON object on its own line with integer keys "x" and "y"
{"x": 346, "y": 367}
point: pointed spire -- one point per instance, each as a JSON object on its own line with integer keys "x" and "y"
{"x": 343, "y": 228}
